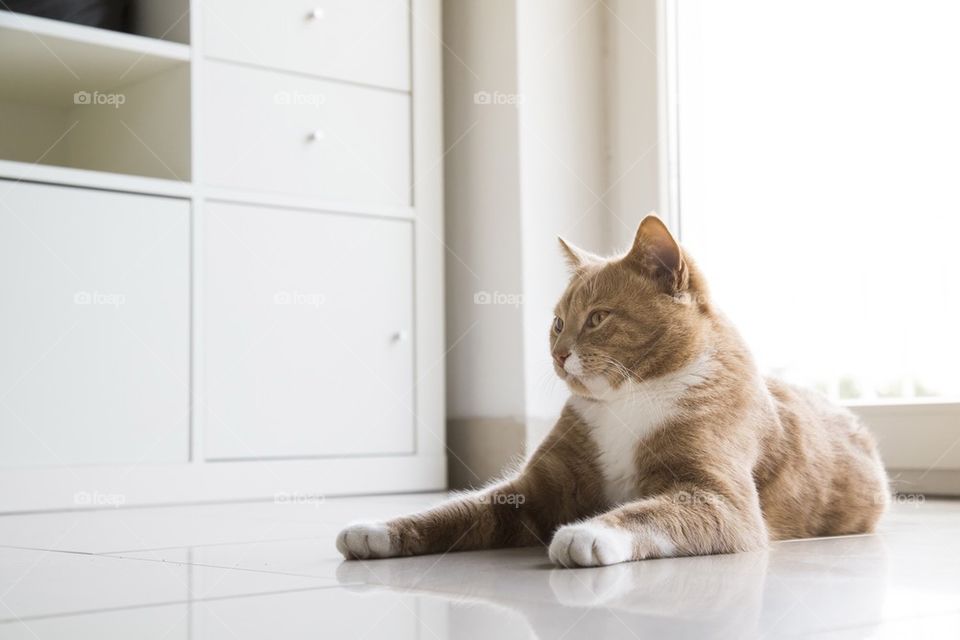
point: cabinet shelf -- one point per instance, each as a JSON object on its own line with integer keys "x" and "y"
{"x": 103, "y": 180}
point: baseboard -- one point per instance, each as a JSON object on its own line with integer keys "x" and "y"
{"x": 481, "y": 449}
{"x": 910, "y": 482}
{"x": 919, "y": 444}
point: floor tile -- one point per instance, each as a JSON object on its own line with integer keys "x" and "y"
{"x": 313, "y": 557}
{"x": 293, "y": 615}
{"x": 280, "y": 574}
{"x": 41, "y": 583}
{"x": 166, "y": 622}
{"x": 117, "y": 530}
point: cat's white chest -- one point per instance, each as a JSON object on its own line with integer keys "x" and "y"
{"x": 621, "y": 424}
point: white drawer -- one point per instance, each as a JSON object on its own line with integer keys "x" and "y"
{"x": 308, "y": 319}
{"x": 94, "y": 327}
{"x": 366, "y": 41}
{"x": 283, "y": 133}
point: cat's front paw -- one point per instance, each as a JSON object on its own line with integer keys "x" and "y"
{"x": 589, "y": 544}
{"x": 367, "y": 540}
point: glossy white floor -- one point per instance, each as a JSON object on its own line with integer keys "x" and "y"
{"x": 271, "y": 570}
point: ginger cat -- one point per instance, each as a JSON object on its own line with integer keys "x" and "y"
{"x": 671, "y": 444}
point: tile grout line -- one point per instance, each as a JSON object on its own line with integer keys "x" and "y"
{"x": 168, "y": 603}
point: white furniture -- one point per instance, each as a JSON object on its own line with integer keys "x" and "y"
{"x": 220, "y": 254}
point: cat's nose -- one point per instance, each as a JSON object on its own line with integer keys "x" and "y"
{"x": 560, "y": 358}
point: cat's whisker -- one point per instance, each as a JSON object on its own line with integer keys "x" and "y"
{"x": 618, "y": 367}
{"x": 548, "y": 382}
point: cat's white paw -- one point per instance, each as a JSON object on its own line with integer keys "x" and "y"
{"x": 366, "y": 540}
{"x": 589, "y": 544}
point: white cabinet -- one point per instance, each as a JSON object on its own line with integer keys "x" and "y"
{"x": 94, "y": 329}
{"x": 283, "y": 133}
{"x": 362, "y": 41}
{"x": 308, "y": 324}
{"x": 221, "y": 253}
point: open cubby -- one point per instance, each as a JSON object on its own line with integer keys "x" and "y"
{"x": 90, "y": 98}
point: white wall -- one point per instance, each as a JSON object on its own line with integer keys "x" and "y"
{"x": 565, "y": 146}
{"x": 563, "y": 173}
{"x": 634, "y": 127}
{"x": 484, "y": 367}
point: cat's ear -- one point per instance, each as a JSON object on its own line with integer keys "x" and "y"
{"x": 657, "y": 255}
{"x": 576, "y": 257}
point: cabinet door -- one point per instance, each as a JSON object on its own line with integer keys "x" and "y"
{"x": 307, "y": 333}
{"x": 94, "y": 327}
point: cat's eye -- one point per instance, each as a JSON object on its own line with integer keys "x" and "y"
{"x": 557, "y": 325}
{"x": 596, "y": 318}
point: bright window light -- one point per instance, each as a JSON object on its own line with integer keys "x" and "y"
{"x": 819, "y": 183}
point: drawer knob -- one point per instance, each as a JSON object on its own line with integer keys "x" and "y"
{"x": 400, "y": 336}
{"x": 316, "y": 135}
{"x": 316, "y": 14}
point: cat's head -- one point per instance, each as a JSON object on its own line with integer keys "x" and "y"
{"x": 629, "y": 318}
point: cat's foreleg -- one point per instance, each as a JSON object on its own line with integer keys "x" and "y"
{"x": 683, "y": 521}
{"x": 514, "y": 513}
{"x": 556, "y": 485}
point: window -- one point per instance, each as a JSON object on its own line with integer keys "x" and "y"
{"x": 819, "y": 184}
